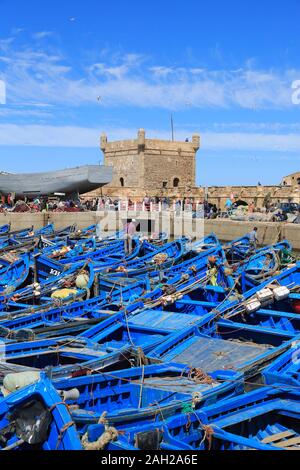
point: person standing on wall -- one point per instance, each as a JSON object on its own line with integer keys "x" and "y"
{"x": 130, "y": 231}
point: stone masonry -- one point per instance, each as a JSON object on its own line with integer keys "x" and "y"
{"x": 150, "y": 166}
{"x": 157, "y": 167}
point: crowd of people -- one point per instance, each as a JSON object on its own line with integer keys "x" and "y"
{"x": 44, "y": 204}
{"x": 199, "y": 208}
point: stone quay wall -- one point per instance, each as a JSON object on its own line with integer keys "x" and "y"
{"x": 175, "y": 226}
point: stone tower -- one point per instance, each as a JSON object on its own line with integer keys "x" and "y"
{"x": 151, "y": 166}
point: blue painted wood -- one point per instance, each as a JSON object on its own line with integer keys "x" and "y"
{"x": 60, "y": 430}
{"x": 155, "y": 392}
{"x": 261, "y": 420}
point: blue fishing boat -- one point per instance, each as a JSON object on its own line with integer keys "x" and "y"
{"x": 35, "y": 418}
{"x": 285, "y": 370}
{"x": 66, "y": 231}
{"x": 264, "y": 318}
{"x": 106, "y": 255}
{"x": 152, "y": 392}
{"x": 226, "y": 346}
{"x": 261, "y": 420}
{"x": 55, "y": 352}
{"x": 204, "y": 244}
{"x": 90, "y": 230}
{"x": 115, "y": 341}
{"x": 261, "y": 266}
{"x": 30, "y": 234}
{"x": 159, "y": 239}
{"x": 6, "y": 242}
{"x": 182, "y": 345}
{"x": 238, "y": 249}
{"x": 14, "y": 275}
{"x": 4, "y": 229}
{"x": 118, "y": 332}
{"x": 191, "y": 261}
{"x": 113, "y": 296}
{"x": 22, "y": 233}
{"x": 151, "y": 263}
{"x": 74, "y": 283}
{"x": 287, "y": 281}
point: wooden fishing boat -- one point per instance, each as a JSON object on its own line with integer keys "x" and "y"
{"x": 261, "y": 266}
{"x": 154, "y": 392}
{"x": 162, "y": 341}
{"x": 160, "y": 239}
{"x": 118, "y": 341}
{"x": 204, "y": 244}
{"x": 266, "y": 294}
{"x": 118, "y": 332}
{"x": 285, "y": 370}
{"x": 4, "y": 229}
{"x": 14, "y": 275}
{"x": 56, "y": 352}
{"x": 113, "y": 296}
{"x": 151, "y": 263}
{"x": 75, "y": 281}
{"x": 29, "y": 235}
{"x": 260, "y": 420}
{"x": 35, "y": 418}
{"x": 6, "y": 242}
{"x": 114, "y": 251}
{"x": 238, "y": 249}
{"x": 266, "y": 319}
{"x": 242, "y": 348}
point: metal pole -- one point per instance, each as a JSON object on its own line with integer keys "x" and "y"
{"x": 172, "y": 127}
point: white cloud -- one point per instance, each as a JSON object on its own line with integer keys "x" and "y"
{"x": 48, "y": 136}
{"x": 2, "y": 92}
{"x": 251, "y": 142}
{"x": 42, "y": 34}
{"x": 73, "y": 136}
{"x": 34, "y": 75}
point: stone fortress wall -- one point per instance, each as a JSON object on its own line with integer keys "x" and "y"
{"x": 156, "y": 167}
{"x": 150, "y": 165}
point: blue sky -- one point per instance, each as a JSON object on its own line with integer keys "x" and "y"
{"x": 224, "y": 69}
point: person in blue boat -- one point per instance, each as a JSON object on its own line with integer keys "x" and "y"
{"x": 253, "y": 238}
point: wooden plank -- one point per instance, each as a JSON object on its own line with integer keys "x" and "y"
{"x": 288, "y": 442}
{"x": 278, "y": 436}
{"x": 292, "y": 448}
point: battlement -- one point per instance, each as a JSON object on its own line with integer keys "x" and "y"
{"x": 154, "y": 165}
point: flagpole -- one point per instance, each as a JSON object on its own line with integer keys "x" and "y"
{"x": 172, "y": 127}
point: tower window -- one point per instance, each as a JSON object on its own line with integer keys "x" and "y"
{"x": 175, "y": 182}
{"x": 165, "y": 184}
{"x": 122, "y": 181}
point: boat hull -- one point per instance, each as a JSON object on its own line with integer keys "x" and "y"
{"x": 73, "y": 180}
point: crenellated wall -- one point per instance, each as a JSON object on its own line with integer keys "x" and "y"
{"x": 150, "y": 165}
{"x": 167, "y": 168}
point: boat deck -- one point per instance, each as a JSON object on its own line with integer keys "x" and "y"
{"x": 212, "y": 354}
{"x": 169, "y": 321}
